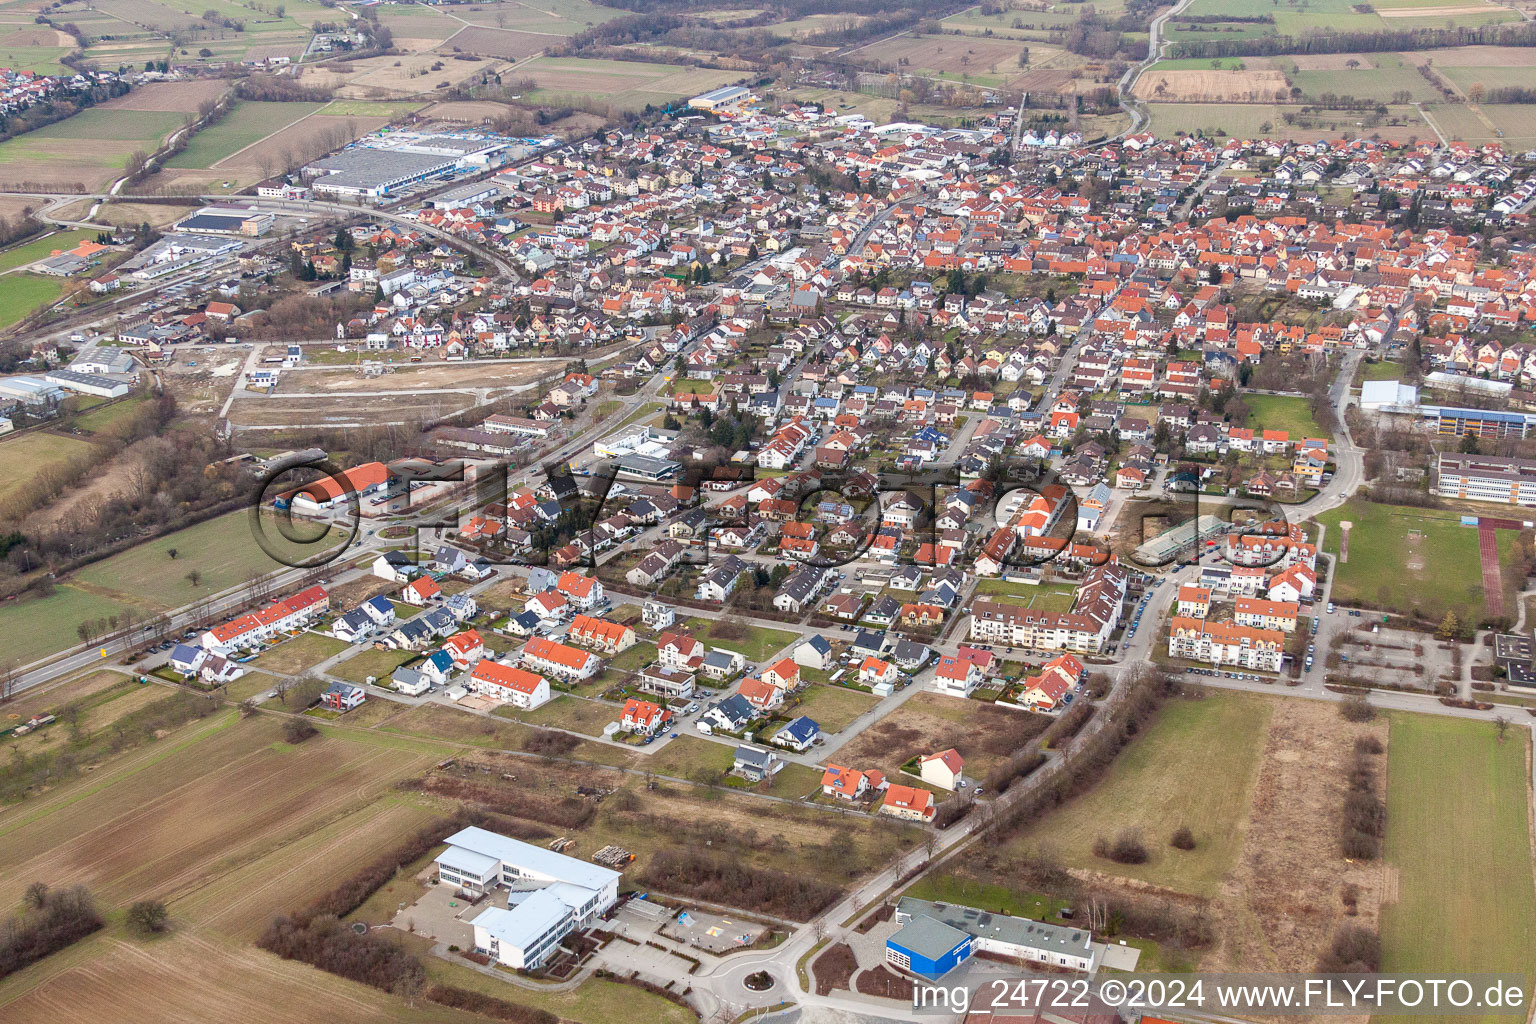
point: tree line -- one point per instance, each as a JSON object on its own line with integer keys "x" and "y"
{"x": 1521, "y": 34}
{"x": 52, "y": 920}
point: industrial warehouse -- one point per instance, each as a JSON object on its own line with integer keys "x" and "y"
{"x": 381, "y": 165}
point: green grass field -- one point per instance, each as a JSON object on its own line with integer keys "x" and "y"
{"x": 223, "y": 550}
{"x": 296, "y": 656}
{"x": 1195, "y": 767}
{"x": 369, "y": 108}
{"x": 758, "y": 645}
{"x": 1386, "y": 77}
{"x": 1384, "y": 369}
{"x": 34, "y": 627}
{"x": 246, "y": 123}
{"x": 104, "y": 417}
{"x": 1482, "y": 123}
{"x": 832, "y": 707}
{"x": 94, "y": 124}
{"x": 1282, "y": 412}
{"x": 21, "y": 295}
{"x": 571, "y": 713}
{"x": 1432, "y": 573}
{"x": 24, "y": 456}
{"x": 1050, "y": 597}
{"x": 20, "y": 56}
{"x": 1458, "y": 831}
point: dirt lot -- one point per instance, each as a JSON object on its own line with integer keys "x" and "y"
{"x": 1211, "y": 86}
{"x": 1284, "y": 899}
{"x": 180, "y": 97}
{"x": 930, "y": 722}
{"x": 413, "y": 377}
{"x": 472, "y": 111}
{"x": 495, "y": 42}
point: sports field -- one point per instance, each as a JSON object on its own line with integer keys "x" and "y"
{"x": 1458, "y": 850}
{"x": 1409, "y": 560}
{"x": 223, "y": 551}
{"x": 1194, "y": 767}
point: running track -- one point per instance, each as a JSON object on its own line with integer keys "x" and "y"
{"x": 1493, "y": 585}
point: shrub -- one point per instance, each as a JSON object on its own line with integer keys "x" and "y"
{"x": 324, "y": 942}
{"x": 1183, "y": 839}
{"x": 1354, "y": 950}
{"x": 148, "y": 917}
{"x": 488, "y": 1006}
{"x": 1368, "y": 745}
{"x": 297, "y": 730}
{"x": 550, "y": 742}
{"x": 718, "y": 879}
{"x": 1355, "y": 708}
{"x": 1127, "y": 848}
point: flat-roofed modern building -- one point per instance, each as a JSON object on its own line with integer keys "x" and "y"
{"x": 550, "y": 895}
{"x": 1057, "y": 945}
{"x": 1487, "y": 478}
{"x": 725, "y": 98}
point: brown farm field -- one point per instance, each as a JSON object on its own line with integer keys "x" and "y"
{"x": 177, "y": 97}
{"x": 395, "y": 77}
{"x": 192, "y": 977}
{"x": 626, "y": 83}
{"x": 495, "y": 42}
{"x": 1211, "y": 86}
{"x": 954, "y": 55}
{"x": 178, "y": 814}
{"x": 1479, "y": 57}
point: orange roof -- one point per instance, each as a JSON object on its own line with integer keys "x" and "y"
{"x": 951, "y": 758}
{"x": 575, "y": 584}
{"x": 358, "y": 478}
{"x": 588, "y": 627}
{"x": 757, "y": 692}
{"x": 908, "y": 798}
{"x": 506, "y": 676}
{"x": 560, "y": 654}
